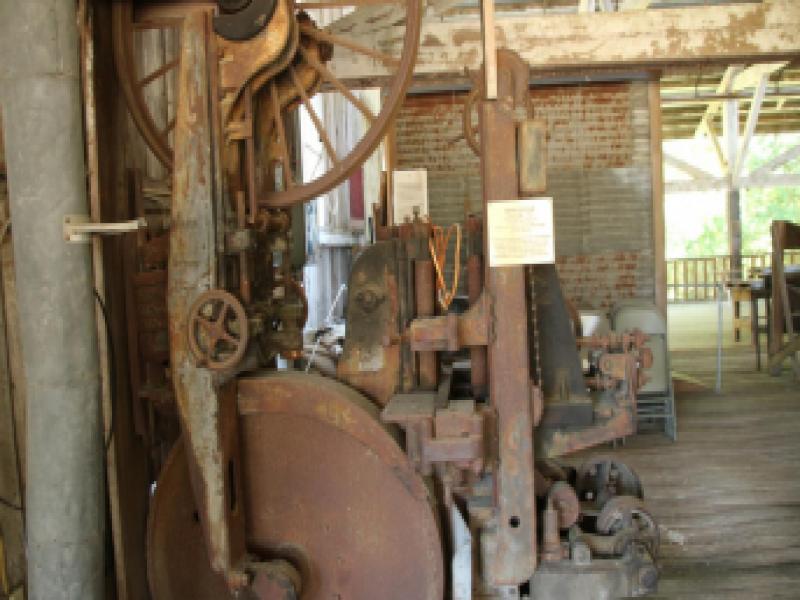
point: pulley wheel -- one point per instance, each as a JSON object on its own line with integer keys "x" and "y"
{"x": 326, "y": 487}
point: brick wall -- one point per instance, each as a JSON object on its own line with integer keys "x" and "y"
{"x": 598, "y": 175}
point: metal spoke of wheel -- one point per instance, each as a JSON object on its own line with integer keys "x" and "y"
{"x": 323, "y": 135}
{"x": 170, "y": 126}
{"x": 159, "y": 72}
{"x": 338, "y": 40}
{"x": 343, "y": 89}
{"x": 220, "y": 320}
{"x": 209, "y": 326}
{"x": 396, "y": 80}
{"x": 123, "y": 28}
{"x": 276, "y": 110}
{"x": 224, "y": 335}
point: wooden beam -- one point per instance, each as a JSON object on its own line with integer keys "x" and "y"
{"x": 489, "y": 49}
{"x": 776, "y": 360}
{"x": 721, "y": 183}
{"x": 712, "y": 137}
{"x": 645, "y": 38}
{"x": 772, "y": 180}
{"x": 682, "y": 165}
{"x": 730, "y": 132}
{"x": 776, "y": 162}
{"x": 736, "y": 79}
{"x": 677, "y": 132}
{"x": 725, "y": 87}
{"x": 750, "y": 127}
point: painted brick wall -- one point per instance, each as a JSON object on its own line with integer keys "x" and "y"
{"x": 598, "y": 176}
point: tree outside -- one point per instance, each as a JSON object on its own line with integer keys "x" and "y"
{"x": 696, "y": 222}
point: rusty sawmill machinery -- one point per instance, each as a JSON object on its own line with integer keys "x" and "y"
{"x": 402, "y": 477}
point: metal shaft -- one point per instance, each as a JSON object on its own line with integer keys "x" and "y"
{"x": 44, "y": 143}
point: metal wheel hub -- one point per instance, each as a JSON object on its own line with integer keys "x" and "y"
{"x": 326, "y": 488}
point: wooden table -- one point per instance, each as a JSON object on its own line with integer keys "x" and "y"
{"x": 740, "y": 292}
{"x": 759, "y": 291}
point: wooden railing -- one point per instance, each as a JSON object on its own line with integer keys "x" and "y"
{"x": 698, "y": 279}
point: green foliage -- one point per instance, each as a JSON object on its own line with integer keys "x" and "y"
{"x": 760, "y": 206}
{"x": 712, "y": 240}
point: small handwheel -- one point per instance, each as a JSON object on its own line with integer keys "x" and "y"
{"x": 218, "y": 330}
{"x": 603, "y": 477}
{"x": 627, "y": 512}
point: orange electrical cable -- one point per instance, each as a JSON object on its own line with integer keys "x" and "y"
{"x": 437, "y": 245}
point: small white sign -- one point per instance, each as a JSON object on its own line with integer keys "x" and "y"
{"x": 409, "y": 192}
{"x": 521, "y": 232}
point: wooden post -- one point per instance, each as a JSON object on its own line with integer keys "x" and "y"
{"x": 489, "y": 48}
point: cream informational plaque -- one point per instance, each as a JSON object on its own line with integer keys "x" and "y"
{"x": 521, "y": 232}
{"x": 409, "y": 193}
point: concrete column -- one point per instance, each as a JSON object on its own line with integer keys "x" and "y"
{"x": 730, "y": 123}
{"x": 41, "y": 102}
{"x": 735, "y": 230}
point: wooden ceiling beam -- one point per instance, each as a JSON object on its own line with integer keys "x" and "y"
{"x": 646, "y": 38}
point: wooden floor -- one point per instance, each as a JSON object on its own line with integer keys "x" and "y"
{"x": 727, "y": 494}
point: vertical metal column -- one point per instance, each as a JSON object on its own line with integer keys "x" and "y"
{"x": 44, "y": 143}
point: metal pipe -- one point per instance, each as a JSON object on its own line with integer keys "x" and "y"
{"x": 44, "y": 144}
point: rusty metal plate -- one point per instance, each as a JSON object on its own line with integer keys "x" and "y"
{"x": 326, "y": 487}
{"x": 532, "y": 150}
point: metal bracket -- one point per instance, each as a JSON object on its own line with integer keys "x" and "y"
{"x": 80, "y": 228}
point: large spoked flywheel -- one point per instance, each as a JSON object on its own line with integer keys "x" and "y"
{"x": 353, "y": 32}
{"x": 326, "y": 487}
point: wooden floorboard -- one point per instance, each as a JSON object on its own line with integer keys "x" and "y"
{"x": 727, "y": 493}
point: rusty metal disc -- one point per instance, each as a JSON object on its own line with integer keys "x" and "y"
{"x": 326, "y": 487}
